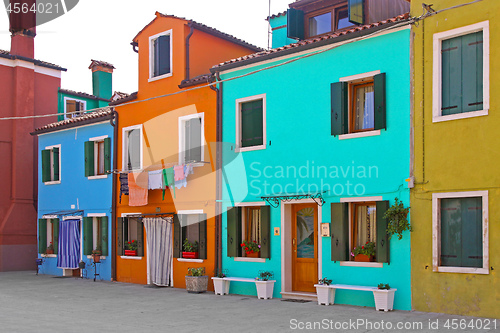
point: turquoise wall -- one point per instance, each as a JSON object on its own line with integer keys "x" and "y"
{"x": 280, "y": 35}
{"x": 299, "y": 135}
{"x": 92, "y": 103}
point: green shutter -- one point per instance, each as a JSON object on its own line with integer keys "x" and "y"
{"x": 104, "y": 235}
{"x": 202, "y": 236}
{"x": 252, "y": 127}
{"x": 451, "y": 233}
{"x": 233, "y": 231}
{"x": 379, "y": 101}
{"x": 162, "y": 55}
{"x": 340, "y": 231}
{"x": 451, "y": 64}
{"x": 42, "y": 235}
{"x": 140, "y": 238}
{"x": 265, "y": 232}
{"x": 472, "y": 72}
{"x": 382, "y": 248}
{"x": 177, "y": 237}
{"x": 55, "y": 161}
{"x": 88, "y": 235}
{"x": 472, "y": 232}
{"x": 195, "y": 139}
{"x": 89, "y": 158}
{"x": 339, "y": 114}
{"x": 55, "y": 234}
{"x": 119, "y": 235}
{"x": 46, "y": 166}
{"x": 356, "y": 11}
{"x": 295, "y": 23}
{"x": 107, "y": 154}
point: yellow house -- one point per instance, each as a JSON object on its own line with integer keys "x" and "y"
{"x": 455, "y": 200}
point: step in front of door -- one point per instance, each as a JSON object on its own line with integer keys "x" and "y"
{"x": 299, "y": 295}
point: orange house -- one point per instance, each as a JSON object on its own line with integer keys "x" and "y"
{"x": 163, "y": 137}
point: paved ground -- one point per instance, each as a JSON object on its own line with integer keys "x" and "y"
{"x": 30, "y": 303}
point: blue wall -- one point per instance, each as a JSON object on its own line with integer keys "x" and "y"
{"x": 280, "y": 35}
{"x": 89, "y": 195}
{"x": 299, "y": 135}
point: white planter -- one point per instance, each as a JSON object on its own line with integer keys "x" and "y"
{"x": 264, "y": 289}
{"x": 384, "y": 299}
{"x": 326, "y": 295}
{"x": 221, "y": 286}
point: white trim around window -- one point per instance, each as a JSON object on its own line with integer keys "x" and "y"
{"x": 437, "y": 71}
{"x": 73, "y": 99}
{"x": 152, "y": 59}
{"x": 238, "y": 123}
{"x": 436, "y": 232}
{"x": 125, "y": 145}
{"x": 54, "y": 182}
{"x": 182, "y": 129}
{"x": 97, "y": 139}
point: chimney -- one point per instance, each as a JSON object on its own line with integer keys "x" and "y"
{"x": 102, "y": 79}
{"x": 23, "y": 29}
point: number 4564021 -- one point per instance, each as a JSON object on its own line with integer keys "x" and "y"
{"x": 25, "y": 8}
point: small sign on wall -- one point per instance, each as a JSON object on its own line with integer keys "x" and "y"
{"x": 325, "y": 229}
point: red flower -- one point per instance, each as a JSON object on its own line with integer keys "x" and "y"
{"x": 242, "y": 244}
{"x": 246, "y": 248}
{"x": 367, "y": 242}
{"x": 129, "y": 242}
{"x": 363, "y": 247}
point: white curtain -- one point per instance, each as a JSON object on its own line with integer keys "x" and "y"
{"x": 159, "y": 243}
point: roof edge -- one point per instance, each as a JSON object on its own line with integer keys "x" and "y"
{"x": 74, "y": 124}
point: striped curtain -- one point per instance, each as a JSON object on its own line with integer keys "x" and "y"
{"x": 69, "y": 244}
{"x": 160, "y": 252}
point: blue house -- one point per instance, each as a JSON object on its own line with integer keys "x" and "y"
{"x": 75, "y": 194}
{"x": 316, "y": 148}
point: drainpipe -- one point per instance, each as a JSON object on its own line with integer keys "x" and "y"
{"x": 134, "y": 47}
{"x": 187, "y": 50}
{"x": 114, "y": 123}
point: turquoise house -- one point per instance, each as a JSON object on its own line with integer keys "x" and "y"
{"x": 75, "y": 195}
{"x": 317, "y": 147}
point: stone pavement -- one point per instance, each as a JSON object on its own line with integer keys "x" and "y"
{"x": 44, "y": 303}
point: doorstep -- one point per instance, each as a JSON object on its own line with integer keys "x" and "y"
{"x": 299, "y": 295}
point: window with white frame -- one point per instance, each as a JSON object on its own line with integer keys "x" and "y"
{"x": 191, "y": 135}
{"x": 460, "y": 232}
{"x": 72, "y": 107}
{"x": 251, "y": 123}
{"x": 160, "y": 55}
{"x": 95, "y": 234}
{"x": 51, "y": 164}
{"x": 48, "y": 235}
{"x": 461, "y": 72}
{"x": 132, "y": 148}
{"x": 97, "y": 156}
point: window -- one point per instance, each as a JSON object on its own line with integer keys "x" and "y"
{"x": 460, "y": 232}
{"x": 249, "y": 223}
{"x": 461, "y": 73}
{"x": 95, "y": 234}
{"x": 160, "y": 55}
{"x": 132, "y": 148}
{"x": 356, "y": 223}
{"x": 330, "y": 21}
{"x": 251, "y": 123}
{"x": 358, "y": 103}
{"x": 190, "y": 225}
{"x": 97, "y": 156}
{"x": 129, "y": 229}
{"x": 51, "y": 165}
{"x": 71, "y": 106}
{"x": 191, "y": 137}
{"x": 48, "y": 235}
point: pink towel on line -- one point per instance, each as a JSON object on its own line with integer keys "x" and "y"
{"x": 138, "y": 193}
{"x": 179, "y": 172}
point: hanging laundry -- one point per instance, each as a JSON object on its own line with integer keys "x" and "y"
{"x": 155, "y": 180}
{"x": 138, "y": 190}
{"x": 179, "y": 172}
{"x": 168, "y": 180}
{"x": 188, "y": 169}
{"x": 182, "y": 182}
{"x": 123, "y": 185}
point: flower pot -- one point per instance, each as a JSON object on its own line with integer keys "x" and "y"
{"x": 190, "y": 255}
{"x": 196, "y": 284}
{"x": 49, "y": 251}
{"x": 253, "y": 254}
{"x": 364, "y": 258}
{"x": 81, "y": 265}
{"x": 96, "y": 257}
{"x": 264, "y": 289}
{"x": 130, "y": 252}
{"x": 384, "y": 299}
{"x": 325, "y": 294}
{"x": 221, "y": 286}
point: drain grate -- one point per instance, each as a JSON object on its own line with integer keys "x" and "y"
{"x": 295, "y": 300}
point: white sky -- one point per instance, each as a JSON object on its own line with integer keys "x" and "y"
{"x": 103, "y": 30}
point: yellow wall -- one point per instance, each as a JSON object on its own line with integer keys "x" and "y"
{"x": 453, "y": 156}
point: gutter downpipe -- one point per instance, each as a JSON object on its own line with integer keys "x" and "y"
{"x": 113, "y": 208}
{"x": 187, "y": 50}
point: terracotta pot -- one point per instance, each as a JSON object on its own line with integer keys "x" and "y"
{"x": 253, "y": 254}
{"x": 363, "y": 258}
{"x": 49, "y": 251}
{"x": 190, "y": 255}
{"x": 97, "y": 257}
{"x": 130, "y": 252}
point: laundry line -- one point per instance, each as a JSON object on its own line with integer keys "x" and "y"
{"x": 160, "y": 167}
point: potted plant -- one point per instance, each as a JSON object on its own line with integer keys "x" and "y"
{"x": 96, "y": 255}
{"x": 131, "y": 248}
{"x": 326, "y": 295}
{"x": 251, "y": 248}
{"x": 221, "y": 286}
{"x": 364, "y": 253}
{"x": 384, "y": 297}
{"x": 264, "y": 284}
{"x": 397, "y": 217}
{"x": 190, "y": 249}
{"x": 50, "y": 249}
{"x": 196, "y": 280}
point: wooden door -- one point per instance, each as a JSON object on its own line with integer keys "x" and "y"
{"x": 304, "y": 247}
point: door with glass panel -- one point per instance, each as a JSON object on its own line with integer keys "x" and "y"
{"x": 304, "y": 247}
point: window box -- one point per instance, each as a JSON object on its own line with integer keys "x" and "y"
{"x": 190, "y": 255}
{"x": 364, "y": 258}
{"x": 130, "y": 252}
